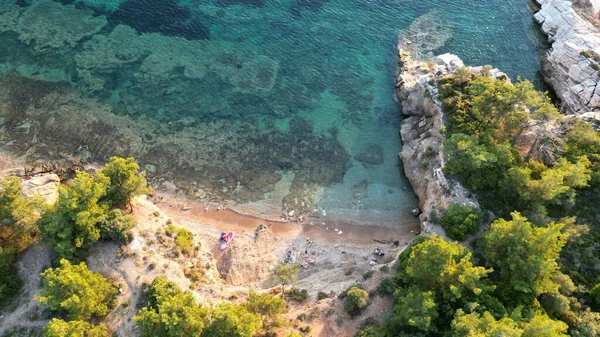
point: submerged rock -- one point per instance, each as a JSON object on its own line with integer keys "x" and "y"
{"x": 373, "y": 155}
{"x": 49, "y": 25}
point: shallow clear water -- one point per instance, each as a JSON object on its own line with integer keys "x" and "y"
{"x": 260, "y": 100}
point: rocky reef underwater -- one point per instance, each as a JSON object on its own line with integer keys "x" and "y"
{"x": 285, "y": 105}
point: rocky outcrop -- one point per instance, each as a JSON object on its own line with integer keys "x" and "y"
{"x": 572, "y": 65}
{"x": 422, "y": 135}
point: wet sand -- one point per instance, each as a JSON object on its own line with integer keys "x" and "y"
{"x": 331, "y": 230}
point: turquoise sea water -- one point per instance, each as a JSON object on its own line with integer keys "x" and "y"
{"x": 281, "y": 102}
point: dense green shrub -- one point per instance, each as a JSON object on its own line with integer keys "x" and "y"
{"x": 125, "y": 181}
{"x": 10, "y": 282}
{"x": 297, "y": 294}
{"x": 524, "y": 255}
{"x": 171, "y": 311}
{"x": 415, "y": 309}
{"x": 595, "y": 293}
{"x": 356, "y": 300}
{"x": 459, "y": 221}
{"x": 185, "y": 241}
{"x": 269, "y": 307}
{"x": 321, "y": 295}
{"x": 18, "y": 231}
{"x": 59, "y": 328}
{"x": 230, "y": 320}
{"x": 18, "y": 216}
{"x": 72, "y": 225}
{"x": 117, "y": 226}
{"x": 76, "y": 291}
{"x": 386, "y": 287}
{"x": 85, "y": 209}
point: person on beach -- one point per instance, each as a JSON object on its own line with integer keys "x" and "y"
{"x": 309, "y": 244}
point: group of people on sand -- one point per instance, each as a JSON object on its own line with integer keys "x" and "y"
{"x": 290, "y": 257}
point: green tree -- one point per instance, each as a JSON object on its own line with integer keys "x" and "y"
{"x": 76, "y": 291}
{"x": 477, "y": 166}
{"x": 72, "y": 226}
{"x": 415, "y": 309}
{"x": 18, "y": 216}
{"x": 595, "y": 293}
{"x": 230, "y": 320}
{"x": 59, "y": 328}
{"x": 445, "y": 268}
{"x": 10, "y": 282}
{"x": 483, "y": 325}
{"x": 587, "y": 324}
{"x": 524, "y": 255}
{"x": 544, "y": 326}
{"x": 171, "y": 312}
{"x": 459, "y": 221}
{"x": 269, "y": 308}
{"x": 356, "y": 300}
{"x": 125, "y": 182}
{"x": 284, "y": 274}
{"x": 18, "y": 230}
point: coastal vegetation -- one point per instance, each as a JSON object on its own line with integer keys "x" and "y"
{"x": 170, "y": 311}
{"x": 536, "y": 173}
{"x": 89, "y": 209}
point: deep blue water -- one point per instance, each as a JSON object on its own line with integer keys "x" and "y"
{"x": 305, "y": 87}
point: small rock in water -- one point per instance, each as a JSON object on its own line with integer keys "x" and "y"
{"x": 416, "y": 212}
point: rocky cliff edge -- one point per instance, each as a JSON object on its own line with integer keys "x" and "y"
{"x": 572, "y": 65}
{"x": 423, "y": 132}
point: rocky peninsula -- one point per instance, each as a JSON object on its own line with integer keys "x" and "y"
{"x": 423, "y": 133}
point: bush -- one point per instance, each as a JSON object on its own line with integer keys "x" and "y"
{"x": 76, "y": 291}
{"x": 297, "y": 294}
{"x": 459, "y": 221}
{"x": 18, "y": 216}
{"x": 117, "y": 226}
{"x": 269, "y": 307}
{"x": 595, "y": 293}
{"x": 10, "y": 282}
{"x": 170, "y": 311}
{"x": 356, "y": 301}
{"x": 229, "y": 320}
{"x": 59, "y": 328}
{"x": 185, "y": 241}
{"x": 386, "y": 287}
{"x": 367, "y": 275}
{"x": 321, "y": 296}
{"x": 196, "y": 273}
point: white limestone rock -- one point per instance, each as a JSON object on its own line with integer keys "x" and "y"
{"x": 573, "y": 75}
